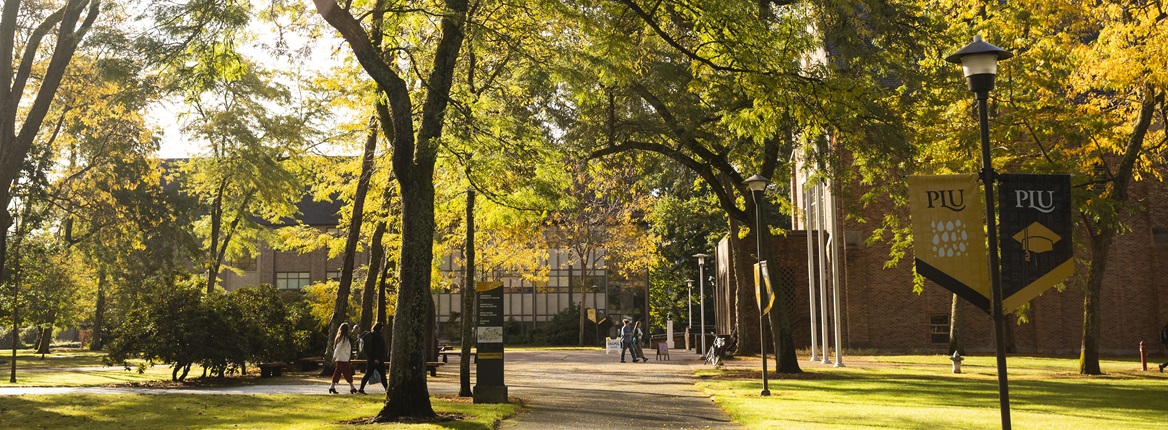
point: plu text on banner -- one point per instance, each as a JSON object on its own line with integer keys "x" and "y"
{"x": 949, "y": 238}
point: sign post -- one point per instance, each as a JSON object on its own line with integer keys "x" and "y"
{"x": 489, "y": 386}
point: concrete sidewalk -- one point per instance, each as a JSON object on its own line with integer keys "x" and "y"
{"x": 564, "y": 389}
{"x": 587, "y": 389}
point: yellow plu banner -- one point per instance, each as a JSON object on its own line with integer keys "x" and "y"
{"x": 949, "y": 234}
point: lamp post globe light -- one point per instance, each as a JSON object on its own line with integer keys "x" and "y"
{"x": 979, "y": 61}
{"x": 758, "y": 184}
{"x": 702, "y": 298}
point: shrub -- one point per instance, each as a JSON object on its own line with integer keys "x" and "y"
{"x": 6, "y": 339}
{"x": 29, "y": 335}
{"x": 219, "y": 331}
{"x": 564, "y": 329}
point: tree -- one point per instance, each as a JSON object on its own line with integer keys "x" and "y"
{"x": 602, "y": 227}
{"x": 68, "y": 29}
{"x": 414, "y": 156}
{"x": 1070, "y": 102}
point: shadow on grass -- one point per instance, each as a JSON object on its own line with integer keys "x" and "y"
{"x": 202, "y": 411}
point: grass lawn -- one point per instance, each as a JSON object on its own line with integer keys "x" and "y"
{"x": 56, "y": 358}
{"x": 171, "y": 411}
{"x": 919, "y": 391}
{"x": 75, "y": 368}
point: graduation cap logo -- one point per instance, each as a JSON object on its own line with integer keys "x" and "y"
{"x": 1036, "y": 238}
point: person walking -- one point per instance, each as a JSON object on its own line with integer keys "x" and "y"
{"x": 626, "y": 337}
{"x": 342, "y": 359}
{"x": 374, "y": 346}
{"x": 638, "y": 338}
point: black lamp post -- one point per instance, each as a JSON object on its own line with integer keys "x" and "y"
{"x": 757, "y": 184}
{"x": 979, "y": 60}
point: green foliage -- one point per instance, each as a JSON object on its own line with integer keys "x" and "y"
{"x": 514, "y": 332}
{"x": 563, "y": 329}
{"x": 6, "y": 339}
{"x": 218, "y": 331}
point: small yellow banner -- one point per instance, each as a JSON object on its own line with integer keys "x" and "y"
{"x": 591, "y": 314}
{"x": 490, "y": 356}
{"x": 761, "y": 286}
{"x": 487, "y": 285}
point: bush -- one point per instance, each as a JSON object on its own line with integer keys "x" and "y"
{"x": 219, "y": 331}
{"x": 6, "y": 339}
{"x": 564, "y": 329}
{"x": 29, "y": 335}
{"x": 514, "y": 333}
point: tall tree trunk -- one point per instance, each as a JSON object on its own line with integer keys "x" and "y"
{"x": 781, "y": 341}
{"x": 341, "y": 306}
{"x": 44, "y": 339}
{"x": 468, "y": 298}
{"x": 211, "y": 265}
{"x": 744, "y": 303}
{"x": 408, "y": 394}
{"x": 956, "y": 323}
{"x": 369, "y": 296}
{"x": 355, "y": 224}
{"x": 1089, "y": 351}
{"x": 5, "y": 224}
{"x": 1107, "y": 229}
{"x": 96, "y": 342}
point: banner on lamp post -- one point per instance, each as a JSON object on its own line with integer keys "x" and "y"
{"x": 763, "y": 293}
{"x": 1035, "y": 231}
{"x": 949, "y": 239}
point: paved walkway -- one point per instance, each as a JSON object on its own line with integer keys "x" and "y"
{"x": 563, "y": 389}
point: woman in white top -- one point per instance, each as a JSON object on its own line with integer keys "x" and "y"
{"x": 342, "y": 355}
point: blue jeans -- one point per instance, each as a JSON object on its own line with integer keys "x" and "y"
{"x": 625, "y": 347}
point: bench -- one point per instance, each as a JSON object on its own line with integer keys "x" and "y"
{"x": 308, "y": 364}
{"x": 433, "y": 366}
{"x": 271, "y": 369}
{"x": 474, "y": 357}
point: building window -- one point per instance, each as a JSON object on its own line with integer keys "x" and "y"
{"x": 292, "y": 280}
{"x": 333, "y": 276}
{"x": 939, "y": 329}
{"x": 245, "y": 263}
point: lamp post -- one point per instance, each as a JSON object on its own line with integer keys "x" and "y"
{"x": 757, "y": 184}
{"x": 702, "y": 297}
{"x": 689, "y": 309}
{"x": 701, "y": 293}
{"x": 979, "y": 61}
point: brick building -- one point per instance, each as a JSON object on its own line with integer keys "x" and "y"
{"x": 879, "y": 310}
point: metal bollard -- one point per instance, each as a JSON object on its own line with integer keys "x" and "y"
{"x": 956, "y": 359}
{"x": 1143, "y": 355}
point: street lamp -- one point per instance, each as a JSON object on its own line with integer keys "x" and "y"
{"x": 757, "y": 184}
{"x": 702, "y": 297}
{"x": 689, "y": 309}
{"x": 979, "y": 60}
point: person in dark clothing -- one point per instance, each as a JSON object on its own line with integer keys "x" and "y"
{"x": 626, "y": 337}
{"x": 374, "y": 347}
{"x": 1164, "y": 340}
